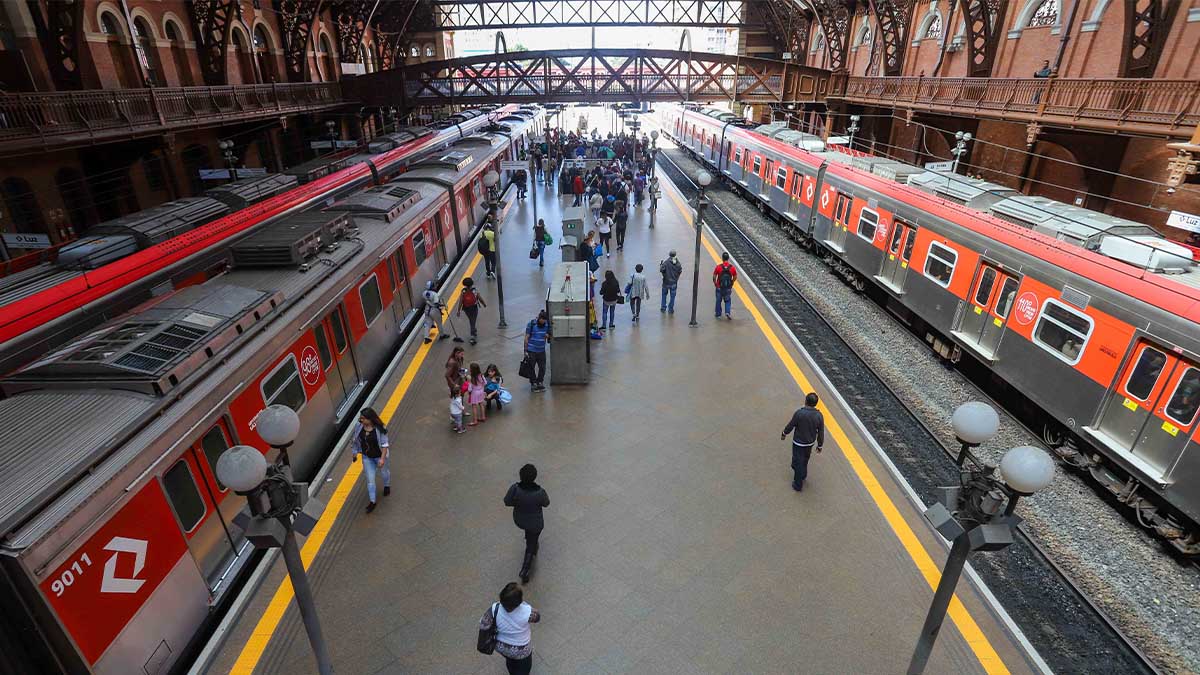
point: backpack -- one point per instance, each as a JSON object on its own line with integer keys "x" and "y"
{"x": 470, "y": 297}
{"x": 725, "y": 277}
{"x": 483, "y": 245}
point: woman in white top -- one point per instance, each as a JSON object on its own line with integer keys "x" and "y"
{"x": 604, "y": 225}
{"x": 513, "y": 634}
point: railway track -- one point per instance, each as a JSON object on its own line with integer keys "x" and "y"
{"x": 1069, "y": 631}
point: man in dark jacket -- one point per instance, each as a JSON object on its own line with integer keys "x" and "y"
{"x": 808, "y": 430}
{"x": 670, "y": 269}
{"x": 528, "y": 499}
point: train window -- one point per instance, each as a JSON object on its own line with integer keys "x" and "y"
{"x": 418, "y": 243}
{"x": 283, "y": 386}
{"x": 1186, "y": 399}
{"x": 1145, "y": 374}
{"x": 372, "y": 303}
{"x": 1004, "y": 300}
{"x": 757, "y": 164}
{"x": 181, "y": 489}
{"x": 339, "y": 330}
{"x": 908, "y": 245}
{"x": 323, "y": 346}
{"x": 737, "y": 155}
{"x": 868, "y": 222}
{"x": 781, "y": 177}
{"x": 894, "y": 245}
{"x": 987, "y": 281}
{"x": 939, "y": 264}
{"x": 841, "y": 212}
{"x": 1062, "y": 331}
{"x": 213, "y": 444}
{"x": 399, "y": 260}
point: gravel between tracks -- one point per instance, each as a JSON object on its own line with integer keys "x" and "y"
{"x": 1153, "y": 599}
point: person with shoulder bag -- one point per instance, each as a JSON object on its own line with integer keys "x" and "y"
{"x": 370, "y": 440}
{"x": 541, "y": 239}
{"x": 505, "y": 628}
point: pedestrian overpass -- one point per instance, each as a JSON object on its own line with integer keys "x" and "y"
{"x": 596, "y": 76}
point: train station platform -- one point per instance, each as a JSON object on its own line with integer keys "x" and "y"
{"x": 674, "y": 542}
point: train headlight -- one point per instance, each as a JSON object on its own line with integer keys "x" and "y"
{"x": 242, "y": 468}
{"x": 1027, "y": 469}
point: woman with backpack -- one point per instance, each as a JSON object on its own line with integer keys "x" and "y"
{"x": 469, "y": 301}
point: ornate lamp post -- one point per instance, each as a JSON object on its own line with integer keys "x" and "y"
{"x": 960, "y": 148}
{"x": 491, "y": 180}
{"x": 703, "y": 179}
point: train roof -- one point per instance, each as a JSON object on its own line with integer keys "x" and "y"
{"x": 107, "y": 418}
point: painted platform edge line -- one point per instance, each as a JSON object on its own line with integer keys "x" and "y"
{"x": 987, "y": 656}
{"x": 268, "y": 623}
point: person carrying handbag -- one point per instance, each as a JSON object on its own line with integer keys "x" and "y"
{"x": 505, "y": 628}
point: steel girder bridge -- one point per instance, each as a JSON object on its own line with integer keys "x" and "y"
{"x": 596, "y": 76}
{"x": 496, "y": 14}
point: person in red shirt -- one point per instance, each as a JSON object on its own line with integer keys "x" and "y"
{"x": 577, "y": 188}
{"x": 724, "y": 277}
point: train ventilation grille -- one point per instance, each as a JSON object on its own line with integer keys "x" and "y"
{"x": 155, "y": 347}
{"x": 1076, "y": 297}
{"x": 292, "y": 241}
{"x": 451, "y": 160}
{"x": 386, "y": 202}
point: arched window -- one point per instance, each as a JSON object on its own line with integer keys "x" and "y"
{"x": 114, "y": 33}
{"x": 147, "y": 53}
{"x": 262, "y": 53}
{"x": 819, "y": 44}
{"x": 934, "y": 30}
{"x": 328, "y": 60}
{"x": 1046, "y": 14}
{"x": 414, "y": 51}
{"x": 244, "y": 59}
{"x": 429, "y": 50}
{"x": 22, "y": 206}
{"x": 864, "y": 36}
{"x": 179, "y": 54}
{"x": 366, "y": 57}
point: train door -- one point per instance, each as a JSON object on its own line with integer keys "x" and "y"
{"x": 991, "y": 300}
{"x": 1152, "y": 412}
{"x": 439, "y": 249}
{"x": 402, "y": 301}
{"x": 900, "y": 249}
{"x": 841, "y": 220}
{"x": 337, "y": 357}
{"x": 199, "y": 502}
{"x": 723, "y": 158}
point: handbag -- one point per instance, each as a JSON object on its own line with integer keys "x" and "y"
{"x": 486, "y": 642}
{"x": 548, "y": 239}
{"x": 620, "y": 299}
{"x": 533, "y": 252}
{"x": 526, "y": 369}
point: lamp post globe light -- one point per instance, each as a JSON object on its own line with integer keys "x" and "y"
{"x": 960, "y": 147}
{"x": 491, "y": 181}
{"x": 278, "y": 508}
{"x": 853, "y": 129}
{"x": 978, "y": 513}
{"x": 703, "y": 179}
{"x": 226, "y": 147}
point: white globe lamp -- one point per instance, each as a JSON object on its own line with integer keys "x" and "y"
{"x": 242, "y": 468}
{"x": 1027, "y": 469}
{"x": 975, "y": 423}
{"x": 278, "y": 425}
{"x": 491, "y": 178}
{"x": 704, "y": 178}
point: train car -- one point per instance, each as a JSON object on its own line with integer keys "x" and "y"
{"x": 119, "y": 542}
{"x": 1107, "y": 347}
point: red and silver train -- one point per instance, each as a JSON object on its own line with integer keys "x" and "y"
{"x": 119, "y": 545}
{"x": 1107, "y": 350}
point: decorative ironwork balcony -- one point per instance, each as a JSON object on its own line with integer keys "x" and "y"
{"x": 1161, "y": 108}
{"x": 34, "y": 122}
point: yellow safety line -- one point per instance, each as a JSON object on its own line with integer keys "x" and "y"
{"x": 972, "y": 634}
{"x": 256, "y": 644}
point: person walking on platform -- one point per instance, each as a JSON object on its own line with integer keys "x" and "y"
{"x": 539, "y": 240}
{"x": 527, "y": 500}
{"x": 522, "y": 181}
{"x": 610, "y": 290}
{"x": 724, "y": 277}
{"x": 596, "y": 201}
{"x": 433, "y": 313}
{"x": 370, "y": 440}
{"x": 487, "y": 246}
{"x": 577, "y": 188}
{"x": 537, "y": 340}
{"x": 670, "y": 269}
{"x": 470, "y": 301}
{"x": 807, "y": 427}
{"x": 604, "y": 226}
{"x": 637, "y": 290}
{"x": 510, "y": 619}
{"x": 621, "y": 222}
